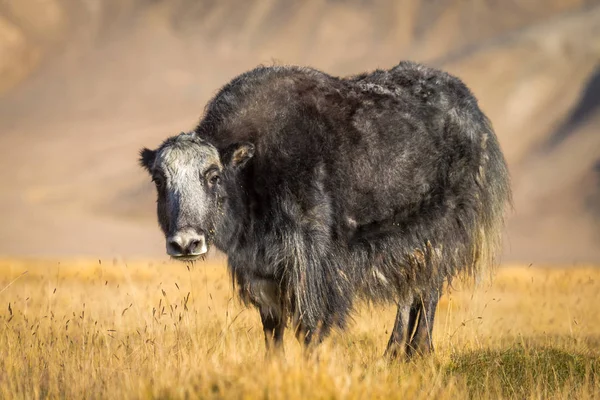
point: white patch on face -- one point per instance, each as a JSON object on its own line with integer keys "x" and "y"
{"x": 184, "y": 164}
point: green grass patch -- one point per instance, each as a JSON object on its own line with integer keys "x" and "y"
{"x": 519, "y": 371}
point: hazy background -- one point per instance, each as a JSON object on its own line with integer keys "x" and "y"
{"x": 85, "y": 83}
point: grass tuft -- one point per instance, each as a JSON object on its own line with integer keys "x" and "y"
{"x": 520, "y": 371}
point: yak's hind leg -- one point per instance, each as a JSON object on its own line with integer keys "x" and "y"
{"x": 420, "y": 323}
{"x": 397, "y": 343}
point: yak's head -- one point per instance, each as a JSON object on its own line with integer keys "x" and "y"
{"x": 189, "y": 176}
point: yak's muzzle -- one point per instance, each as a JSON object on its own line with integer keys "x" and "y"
{"x": 187, "y": 244}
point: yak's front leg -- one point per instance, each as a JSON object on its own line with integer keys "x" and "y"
{"x": 273, "y": 328}
{"x": 309, "y": 337}
{"x": 304, "y": 334}
{"x": 266, "y": 295}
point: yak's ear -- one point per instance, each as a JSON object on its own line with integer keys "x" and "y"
{"x": 237, "y": 155}
{"x": 147, "y": 157}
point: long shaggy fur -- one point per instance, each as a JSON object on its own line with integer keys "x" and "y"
{"x": 379, "y": 186}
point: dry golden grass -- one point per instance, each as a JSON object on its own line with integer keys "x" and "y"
{"x": 85, "y": 329}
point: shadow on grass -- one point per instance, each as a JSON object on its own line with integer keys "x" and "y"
{"x": 522, "y": 370}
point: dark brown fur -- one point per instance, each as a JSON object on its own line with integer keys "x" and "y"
{"x": 380, "y": 186}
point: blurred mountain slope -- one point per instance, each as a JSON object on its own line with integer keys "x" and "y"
{"x": 84, "y": 84}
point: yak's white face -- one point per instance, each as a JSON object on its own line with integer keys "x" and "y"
{"x": 187, "y": 177}
{"x": 187, "y": 172}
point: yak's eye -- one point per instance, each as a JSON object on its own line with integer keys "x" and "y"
{"x": 158, "y": 181}
{"x": 212, "y": 176}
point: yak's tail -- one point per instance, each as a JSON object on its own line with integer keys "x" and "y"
{"x": 494, "y": 197}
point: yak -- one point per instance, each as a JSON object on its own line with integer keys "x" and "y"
{"x": 323, "y": 191}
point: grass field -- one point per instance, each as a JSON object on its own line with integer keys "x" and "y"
{"x": 114, "y": 329}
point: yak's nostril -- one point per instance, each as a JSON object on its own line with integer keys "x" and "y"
{"x": 192, "y": 246}
{"x": 175, "y": 247}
